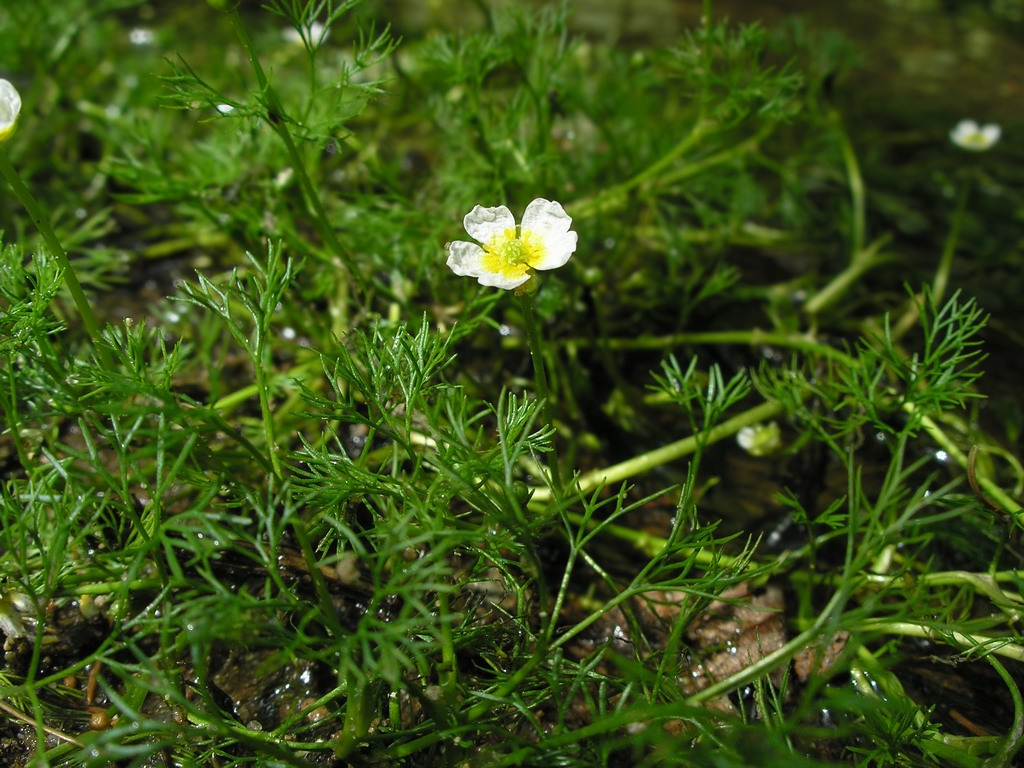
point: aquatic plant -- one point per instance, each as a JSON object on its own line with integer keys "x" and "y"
{"x": 278, "y": 488}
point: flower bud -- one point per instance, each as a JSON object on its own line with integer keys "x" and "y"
{"x": 760, "y": 439}
{"x": 10, "y": 107}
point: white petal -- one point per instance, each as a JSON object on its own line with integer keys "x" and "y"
{"x": 557, "y": 251}
{"x": 549, "y": 223}
{"x": 498, "y": 280}
{"x": 546, "y": 218}
{"x": 966, "y": 128}
{"x": 991, "y": 132}
{"x": 10, "y": 106}
{"x": 465, "y": 259}
{"x": 746, "y": 437}
{"x": 484, "y": 224}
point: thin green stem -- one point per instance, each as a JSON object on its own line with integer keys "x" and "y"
{"x": 42, "y": 222}
{"x": 540, "y": 376}
{"x": 612, "y": 197}
{"x": 494, "y": 698}
{"x": 774, "y": 659}
{"x": 858, "y": 228}
{"x": 1015, "y": 738}
{"x": 448, "y": 671}
{"x": 278, "y": 120}
{"x": 328, "y": 613}
{"x": 267, "y": 416}
{"x": 651, "y": 545}
{"x": 913, "y": 311}
{"x": 862, "y": 261}
{"x": 946, "y": 260}
{"x": 804, "y": 342}
{"x": 671, "y": 452}
{"x": 994, "y": 492}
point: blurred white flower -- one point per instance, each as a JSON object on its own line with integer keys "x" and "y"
{"x": 315, "y": 33}
{"x": 760, "y": 439}
{"x": 510, "y": 254}
{"x": 10, "y": 107}
{"x": 141, "y": 36}
{"x": 973, "y": 137}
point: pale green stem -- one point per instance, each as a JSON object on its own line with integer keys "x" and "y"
{"x": 982, "y": 644}
{"x": 540, "y": 377}
{"x": 861, "y": 258}
{"x": 651, "y": 545}
{"x": 297, "y": 373}
{"x": 593, "y": 205}
{"x": 857, "y": 201}
{"x": 726, "y": 155}
{"x": 267, "y": 415}
{"x": 671, "y": 452}
{"x": 987, "y": 584}
{"x": 753, "y": 338}
{"x": 42, "y": 222}
{"x": 615, "y": 196}
{"x": 994, "y": 492}
{"x": 983, "y": 583}
{"x": 862, "y": 262}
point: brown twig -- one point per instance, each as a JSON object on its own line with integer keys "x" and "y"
{"x": 51, "y": 731}
{"x": 972, "y": 478}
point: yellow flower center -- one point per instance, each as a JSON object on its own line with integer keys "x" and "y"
{"x": 511, "y": 254}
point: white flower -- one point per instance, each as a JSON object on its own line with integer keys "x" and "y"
{"x": 976, "y": 138}
{"x": 760, "y": 439}
{"x": 10, "y": 106}
{"x": 315, "y": 33}
{"x": 510, "y": 255}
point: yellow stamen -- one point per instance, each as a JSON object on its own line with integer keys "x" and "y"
{"x": 512, "y": 255}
